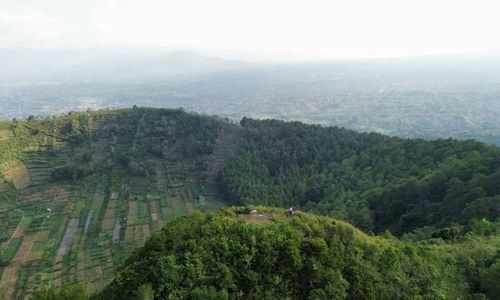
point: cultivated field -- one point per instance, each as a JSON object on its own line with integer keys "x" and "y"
{"x": 55, "y": 232}
{"x": 61, "y": 233}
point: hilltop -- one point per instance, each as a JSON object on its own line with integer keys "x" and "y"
{"x": 80, "y": 192}
{"x": 260, "y": 253}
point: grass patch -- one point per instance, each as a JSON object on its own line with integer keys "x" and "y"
{"x": 10, "y": 251}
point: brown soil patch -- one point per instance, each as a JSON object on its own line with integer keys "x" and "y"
{"x": 17, "y": 172}
{"x": 108, "y": 223}
{"x": 153, "y": 206}
{"x": 59, "y": 194}
{"x": 97, "y": 274}
{"x": 35, "y": 255}
{"x": 19, "y": 231}
{"x": 132, "y": 213}
{"x": 57, "y": 281}
{"x": 8, "y": 282}
{"x": 255, "y": 218}
{"x": 42, "y": 235}
{"x": 189, "y": 207}
{"x": 29, "y": 197}
{"x": 146, "y": 230}
{"x": 153, "y": 209}
{"x": 24, "y": 250}
{"x": 161, "y": 223}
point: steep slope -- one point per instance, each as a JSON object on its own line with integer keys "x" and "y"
{"x": 239, "y": 254}
{"x": 79, "y": 192}
{"x": 375, "y": 181}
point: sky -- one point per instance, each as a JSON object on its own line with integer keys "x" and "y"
{"x": 288, "y": 29}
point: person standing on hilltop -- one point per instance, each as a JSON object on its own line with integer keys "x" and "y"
{"x": 290, "y": 211}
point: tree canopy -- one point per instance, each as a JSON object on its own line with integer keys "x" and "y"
{"x": 240, "y": 254}
{"x": 375, "y": 181}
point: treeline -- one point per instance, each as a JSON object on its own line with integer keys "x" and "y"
{"x": 374, "y": 181}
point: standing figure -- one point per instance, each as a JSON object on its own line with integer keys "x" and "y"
{"x": 290, "y": 211}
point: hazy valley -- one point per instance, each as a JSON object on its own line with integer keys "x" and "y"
{"x": 429, "y": 97}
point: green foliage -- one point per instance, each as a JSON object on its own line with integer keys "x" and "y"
{"x": 442, "y": 195}
{"x": 75, "y": 166}
{"x": 237, "y": 255}
{"x": 374, "y": 181}
{"x": 9, "y": 251}
{"x": 93, "y": 141}
{"x": 65, "y": 292}
{"x": 482, "y": 227}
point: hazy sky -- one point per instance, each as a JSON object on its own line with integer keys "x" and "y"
{"x": 288, "y": 28}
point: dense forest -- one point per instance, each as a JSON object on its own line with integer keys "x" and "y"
{"x": 430, "y": 209}
{"x": 94, "y": 140}
{"x": 374, "y": 181}
{"x": 264, "y": 254}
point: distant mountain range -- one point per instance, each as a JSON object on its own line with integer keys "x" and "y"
{"x": 105, "y": 65}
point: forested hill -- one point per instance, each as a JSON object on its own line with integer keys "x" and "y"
{"x": 263, "y": 254}
{"x": 375, "y": 181}
{"x": 79, "y": 192}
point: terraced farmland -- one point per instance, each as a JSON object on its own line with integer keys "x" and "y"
{"x": 77, "y": 224}
{"x": 81, "y": 230}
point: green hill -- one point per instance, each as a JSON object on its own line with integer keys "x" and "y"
{"x": 236, "y": 254}
{"x": 80, "y": 192}
{"x": 374, "y": 181}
